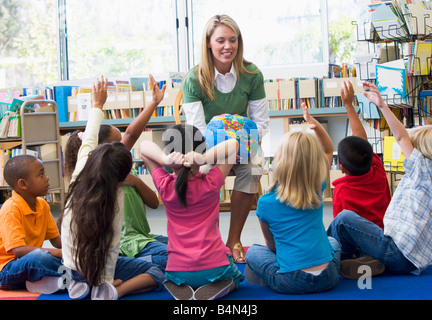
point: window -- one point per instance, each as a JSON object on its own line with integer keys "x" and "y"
{"x": 135, "y": 37}
{"x": 285, "y": 32}
{"x": 120, "y": 38}
{"x": 342, "y": 15}
{"x": 28, "y": 43}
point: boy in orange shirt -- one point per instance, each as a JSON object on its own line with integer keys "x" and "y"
{"x": 25, "y": 223}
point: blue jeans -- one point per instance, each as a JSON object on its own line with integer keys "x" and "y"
{"x": 128, "y": 268}
{"x": 32, "y": 267}
{"x": 358, "y": 236}
{"x": 262, "y": 261}
{"x": 155, "y": 252}
{"x": 196, "y": 279}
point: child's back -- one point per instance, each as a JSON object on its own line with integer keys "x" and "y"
{"x": 197, "y": 257}
{"x": 368, "y": 194}
{"x": 195, "y": 241}
{"x": 365, "y": 189}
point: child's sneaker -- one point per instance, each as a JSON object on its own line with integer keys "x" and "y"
{"x": 213, "y": 291}
{"x": 350, "y": 268}
{"x": 78, "y": 290}
{"x": 105, "y": 291}
{"x": 181, "y": 292}
{"x": 46, "y": 285}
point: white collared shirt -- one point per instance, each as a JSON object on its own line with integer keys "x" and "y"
{"x": 258, "y": 110}
{"x": 226, "y": 83}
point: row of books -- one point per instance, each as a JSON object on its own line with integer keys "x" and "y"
{"x": 62, "y": 93}
{"x": 121, "y": 105}
{"x": 315, "y": 92}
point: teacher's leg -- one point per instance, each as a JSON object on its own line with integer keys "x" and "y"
{"x": 241, "y": 204}
{"x": 246, "y": 186}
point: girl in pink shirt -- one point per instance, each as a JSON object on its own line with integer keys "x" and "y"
{"x": 198, "y": 265}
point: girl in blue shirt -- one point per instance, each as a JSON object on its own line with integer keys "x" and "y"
{"x": 298, "y": 256}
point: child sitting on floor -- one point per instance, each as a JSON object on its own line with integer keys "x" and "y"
{"x": 365, "y": 188}
{"x": 198, "y": 265}
{"x": 93, "y": 217}
{"x": 405, "y": 244}
{"x": 298, "y": 257}
{"x": 136, "y": 240}
{"x": 25, "y": 223}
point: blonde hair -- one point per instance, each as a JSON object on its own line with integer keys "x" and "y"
{"x": 299, "y": 170}
{"x": 421, "y": 138}
{"x": 206, "y": 67}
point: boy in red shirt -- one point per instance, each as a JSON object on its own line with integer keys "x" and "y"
{"x": 364, "y": 189}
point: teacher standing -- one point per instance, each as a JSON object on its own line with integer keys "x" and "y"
{"x": 223, "y": 82}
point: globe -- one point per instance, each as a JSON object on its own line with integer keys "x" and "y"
{"x": 228, "y": 126}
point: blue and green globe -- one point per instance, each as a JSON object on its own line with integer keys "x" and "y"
{"x": 228, "y": 126}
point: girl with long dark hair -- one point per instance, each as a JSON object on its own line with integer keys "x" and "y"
{"x": 92, "y": 219}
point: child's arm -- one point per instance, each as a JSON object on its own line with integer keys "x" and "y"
{"x": 268, "y": 236}
{"x": 347, "y": 95}
{"x": 222, "y": 154}
{"x": 397, "y": 128}
{"x": 136, "y": 127}
{"x": 147, "y": 195}
{"x": 321, "y": 134}
{"x": 91, "y": 133}
{"x": 154, "y": 157}
{"x": 20, "y": 252}
{"x": 56, "y": 242}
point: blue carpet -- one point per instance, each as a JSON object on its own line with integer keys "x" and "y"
{"x": 384, "y": 287}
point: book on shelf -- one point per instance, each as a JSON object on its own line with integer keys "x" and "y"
{"x": 10, "y": 126}
{"x": 395, "y": 20}
{"x": 176, "y": 79}
{"x": 393, "y": 157}
{"x": 61, "y": 94}
{"x": 420, "y": 62}
{"x": 392, "y": 82}
{"x": 123, "y": 85}
{"x": 388, "y": 20}
{"x": 4, "y": 124}
{"x": 6, "y": 98}
{"x": 417, "y": 16}
{"x": 139, "y": 83}
{"x": 368, "y": 110}
{"x": 18, "y": 102}
{"x": 426, "y": 103}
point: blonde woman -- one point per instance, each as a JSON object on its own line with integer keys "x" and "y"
{"x": 298, "y": 256}
{"x": 223, "y": 82}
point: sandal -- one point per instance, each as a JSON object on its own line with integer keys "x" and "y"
{"x": 238, "y": 246}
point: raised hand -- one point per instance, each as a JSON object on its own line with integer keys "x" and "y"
{"x": 157, "y": 93}
{"x": 374, "y": 95}
{"x": 100, "y": 92}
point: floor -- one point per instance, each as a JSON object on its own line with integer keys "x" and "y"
{"x": 251, "y": 232}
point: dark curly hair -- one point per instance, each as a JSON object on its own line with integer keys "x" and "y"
{"x": 73, "y": 145}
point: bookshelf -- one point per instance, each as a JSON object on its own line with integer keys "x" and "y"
{"x": 399, "y": 37}
{"x": 40, "y": 136}
{"x": 406, "y": 35}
